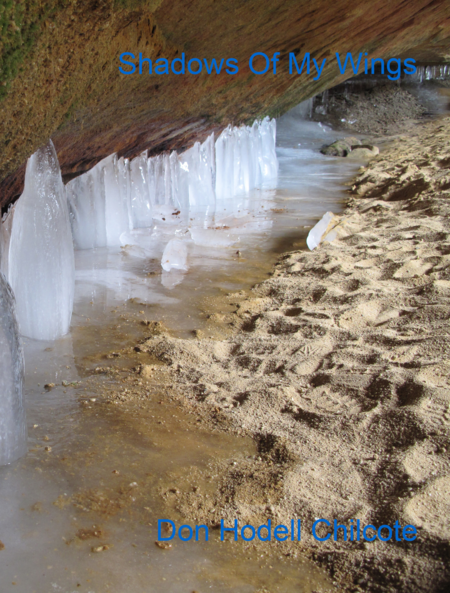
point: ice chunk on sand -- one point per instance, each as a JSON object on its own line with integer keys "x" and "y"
{"x": 41, "y": 258}
{"x": 317, "y": 232}
{"x": 13, "y": 429}
{"x": 174, "y": 256}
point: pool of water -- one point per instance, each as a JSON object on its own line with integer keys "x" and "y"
{"x": 79, "y": 512}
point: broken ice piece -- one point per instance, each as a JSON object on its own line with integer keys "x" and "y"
{"x": 317, "y": 232}
{"x": 174, "y": 256}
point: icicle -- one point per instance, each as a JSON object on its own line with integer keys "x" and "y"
{"x": 141, "y": 207}
{"x": 86, "y": 199}
{"x": 13, "y": 429}
{"x": 116, "y": 200}
{"x": 41, "y": 259}
{"x": 5, "y": 239}
{"x": 246, "y": 159}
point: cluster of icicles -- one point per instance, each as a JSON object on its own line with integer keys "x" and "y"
{"x": 432, "y": 73}
{"x": 119, "y": 195}
{"x": 103, "y": 208}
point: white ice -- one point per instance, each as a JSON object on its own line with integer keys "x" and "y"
{"x": 99, "y": 202}
{"x": 316, "y": 233}
{"x": 117, "y": 197}
{"x": 174, "y": 256}
{"x": 5, "y": 239}
{"x": 41, "y": 267}
{"x": 13, "y": 429}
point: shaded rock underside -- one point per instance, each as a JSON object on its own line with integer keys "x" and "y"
{"x": 60, "y": 68}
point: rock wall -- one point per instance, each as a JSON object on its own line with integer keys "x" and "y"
{"x": 64, "y": 81}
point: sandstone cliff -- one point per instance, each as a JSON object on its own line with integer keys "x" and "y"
{"x": 60, "y": 68}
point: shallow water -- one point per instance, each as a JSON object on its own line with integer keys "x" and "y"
{"x": 99, "y": 482}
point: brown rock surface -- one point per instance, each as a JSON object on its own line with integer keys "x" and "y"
{"x": 70, "y": 87}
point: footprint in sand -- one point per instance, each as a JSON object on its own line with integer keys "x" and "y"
{"x": 412, "y": 269}
{"x": 361, "y": 316}
{"x": 322, "y": 400}
{"x": 422, "y": 463}
{"x": 431, "y": 508}
{"x": 435, "y": 413}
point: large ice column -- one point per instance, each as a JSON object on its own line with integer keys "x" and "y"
{"x": 86, "y": 198}
{"x": 163, "y": 173}
{"x": 198, "y": 172}
{"x": 116, "y": 188}
{"x": 224, "y": 164}
{"x": 141, "y": 207}
{"x": 5, "y": 238}
{"x": 41, "y": 258}
{"x": 268, "y": 156}
{"x": 99, "y": 204}
{"x": 13, "y": 428}
{"x": 246, "y": 159}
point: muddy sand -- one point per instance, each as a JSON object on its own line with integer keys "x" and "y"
{"x": 338, "y": 367}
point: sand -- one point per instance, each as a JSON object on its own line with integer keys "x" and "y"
{"x": 338, "y": 367}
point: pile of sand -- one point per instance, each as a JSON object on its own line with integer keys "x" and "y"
{"x": 340, "y": 371}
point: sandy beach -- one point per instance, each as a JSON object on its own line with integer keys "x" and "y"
{"x": 337, "y": 366}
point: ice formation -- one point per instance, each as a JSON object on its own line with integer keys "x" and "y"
{"x": 41, "y": 266}
{"x": 174, "y": 256}
{"x": 13, "y": 430}
{"x": 119, "y": 196}
{"x": 317, "y": 232}
{"x": 5, "y": 237}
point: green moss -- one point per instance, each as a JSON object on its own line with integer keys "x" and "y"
{"x": 20, "y": 25}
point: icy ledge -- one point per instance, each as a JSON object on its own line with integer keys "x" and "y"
{"x": 13, "y": 430}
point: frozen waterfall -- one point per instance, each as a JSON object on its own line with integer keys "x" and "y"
{"x": 41, "y": 267}
{"x": 118, "y": 196}
{"x": 13, "y": 430}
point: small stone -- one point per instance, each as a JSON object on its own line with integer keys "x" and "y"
{"x": 97, "y": 549}
{"x": 163, "y": 545}
{"x": 338, "y": 148}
